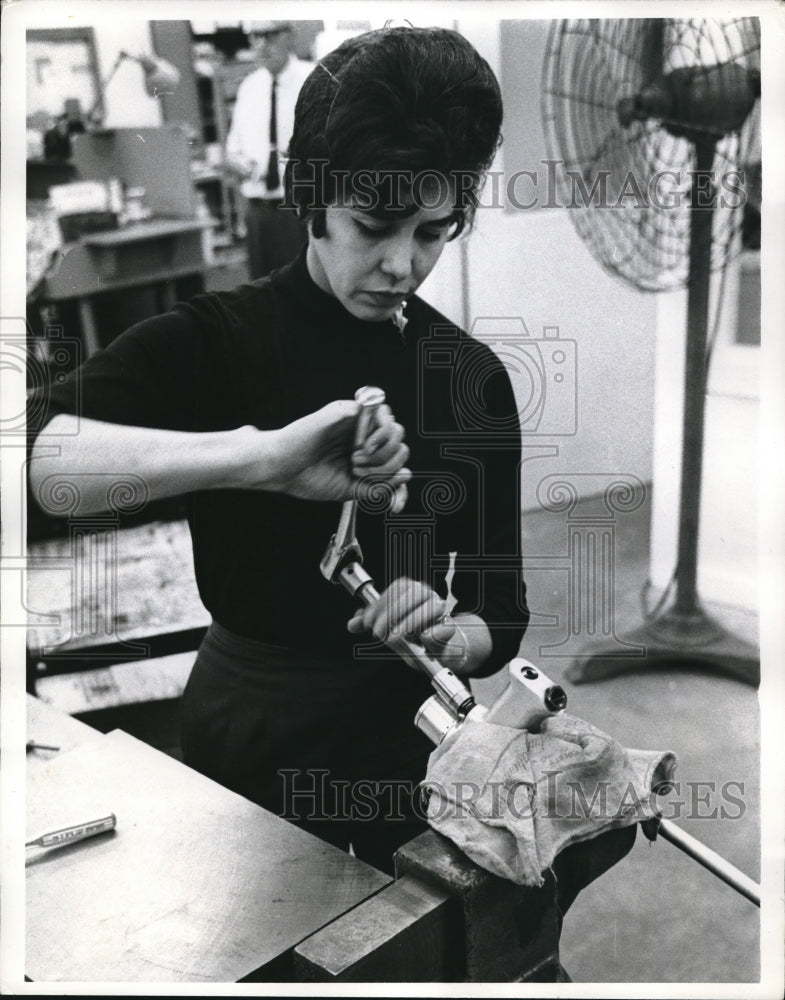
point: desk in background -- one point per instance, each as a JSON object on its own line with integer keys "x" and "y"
{"x": 156, "y": 252}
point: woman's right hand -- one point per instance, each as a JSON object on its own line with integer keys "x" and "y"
{"x": 314, "y": 458}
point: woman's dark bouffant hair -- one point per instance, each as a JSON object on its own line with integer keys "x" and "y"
{"x": 397, "y": 100}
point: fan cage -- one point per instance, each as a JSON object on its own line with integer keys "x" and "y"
{"x": 628, "y": 188}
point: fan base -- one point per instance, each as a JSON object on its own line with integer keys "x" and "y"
{"x": 676, "y": 637}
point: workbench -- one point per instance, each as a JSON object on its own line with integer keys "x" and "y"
{"x": 442, "y": 919}
{"x": 197, "y": 884}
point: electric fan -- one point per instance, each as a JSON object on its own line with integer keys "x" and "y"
{"x": 651, "y": 122}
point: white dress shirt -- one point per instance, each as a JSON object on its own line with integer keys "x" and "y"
{"x": 248, "y": 142}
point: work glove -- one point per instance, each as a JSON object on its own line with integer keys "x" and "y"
{"x": 512, "y": 800}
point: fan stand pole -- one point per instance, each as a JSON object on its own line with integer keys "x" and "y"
{"x": 683, "y": 633}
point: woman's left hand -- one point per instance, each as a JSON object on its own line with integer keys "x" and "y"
{"x": 407, "y": 608}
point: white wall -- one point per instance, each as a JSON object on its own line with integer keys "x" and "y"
{"x": 533, "y": 265}
{"x": 728, "y": 529}
{"x": 126, "y": 101}
{"x": 630, "y": 352}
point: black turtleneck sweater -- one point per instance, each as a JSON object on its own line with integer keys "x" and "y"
{"x": 279, "y": 348}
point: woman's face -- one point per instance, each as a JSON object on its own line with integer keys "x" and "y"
{"x": 372, "y": 263}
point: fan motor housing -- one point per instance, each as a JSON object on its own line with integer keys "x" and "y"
{"x": 699, "y": 103}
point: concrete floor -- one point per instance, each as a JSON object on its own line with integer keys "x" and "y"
{"x": 659, "y": 917}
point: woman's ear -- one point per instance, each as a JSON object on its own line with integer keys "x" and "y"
{"x": 317, "y": 223}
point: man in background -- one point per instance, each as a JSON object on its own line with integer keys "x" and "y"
{"x": 262, "y": 124}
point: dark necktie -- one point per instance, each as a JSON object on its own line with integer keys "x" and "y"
{"x": 273, "y": 178}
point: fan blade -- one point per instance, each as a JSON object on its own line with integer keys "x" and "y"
{"x": 675, "y": 84}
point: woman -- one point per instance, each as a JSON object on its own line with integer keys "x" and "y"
{"x": 288, "y": 704}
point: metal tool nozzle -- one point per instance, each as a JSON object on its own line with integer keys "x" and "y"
{"x": 370, "y": 397}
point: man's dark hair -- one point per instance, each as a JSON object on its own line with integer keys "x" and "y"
{"x": 397, "y": 103}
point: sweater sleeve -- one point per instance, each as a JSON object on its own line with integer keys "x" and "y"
{"x": 144, "y": 378}
{"x": 168, "y": 372}
{"x": 488, "y": 572}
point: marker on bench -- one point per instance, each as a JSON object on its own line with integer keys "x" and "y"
{"x": 71, "y": 834}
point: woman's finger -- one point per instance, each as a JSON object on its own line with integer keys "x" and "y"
{"x": 393, "y": 464}
{"x": 383, "y": 461}
{"x": 409, "y": 608}
{"x": 381, "y": 445}
{"x": 424, "y": 615}
{"x": 377, "y": 617}
{"x": 400, "y": 497}
{"x": 380, "y": 419}
{"x": 440, "y": 633}
{"x": 356, "y": 623}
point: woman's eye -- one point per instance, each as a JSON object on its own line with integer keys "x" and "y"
{"x": 378, "y": 230}
{"x": 370, "y": 230}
